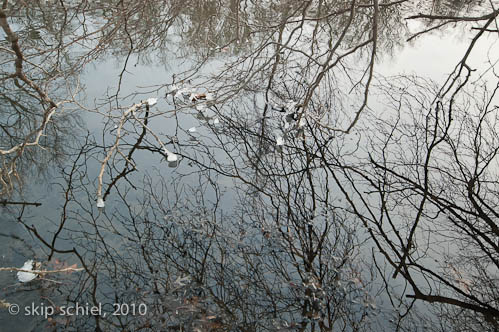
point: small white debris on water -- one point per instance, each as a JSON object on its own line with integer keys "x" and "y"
{"x": 180, "y": 93}
{"x": 302, "y": 122}
{"x": 100, "y": 203}
{"x": 172, "y": 157}
{"x": 26, "y": 276}
{"x": 152, "y": 101}
{"x": 173, "y": 88}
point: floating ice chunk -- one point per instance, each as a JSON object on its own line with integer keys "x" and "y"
{"x": 100, "y": 203}
{"x": 302, "y": 122}
{"x": 200, "y": 107}
{"x": 216, "y": 121}
{"x": 172, "y": 157}
{"x": 180, "y": 93}
{"x": 192, "y": 129}
{"x": 26, "y": 276}
{"x": 209, "y": 96}
{"x": 280, "y": 140}
{"x": 173, "y": 88}
{"x": 152, "y": 101}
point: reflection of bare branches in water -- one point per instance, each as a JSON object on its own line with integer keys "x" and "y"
{"x": 295, "y": 202}
{"x": 19, "y": 94}
{"x": 196, "y": 265}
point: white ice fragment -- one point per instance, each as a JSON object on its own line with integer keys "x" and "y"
{"x": 100, "y": 203}
{"x": 173, "y": 88}
{"x": 180, "y": 93}
{"x": 302, "y": 122}
{"x": 172, "y": 157}
{"x": 192, "y": 129}
{"x": 216, "y": 121}
{"x": 209, "y": 96}
{"x": 200, "y": 107}
{"x": 26, "y": 276}
{"x": 152, "y": 101}
{"x": 280, "y": 140}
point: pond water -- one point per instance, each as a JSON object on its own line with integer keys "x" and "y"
{"x": 249, "y": 166}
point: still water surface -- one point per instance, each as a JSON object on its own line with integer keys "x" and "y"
{"x": 224, "y": 238}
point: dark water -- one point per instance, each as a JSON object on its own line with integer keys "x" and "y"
{"x": 261, "y": 191}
